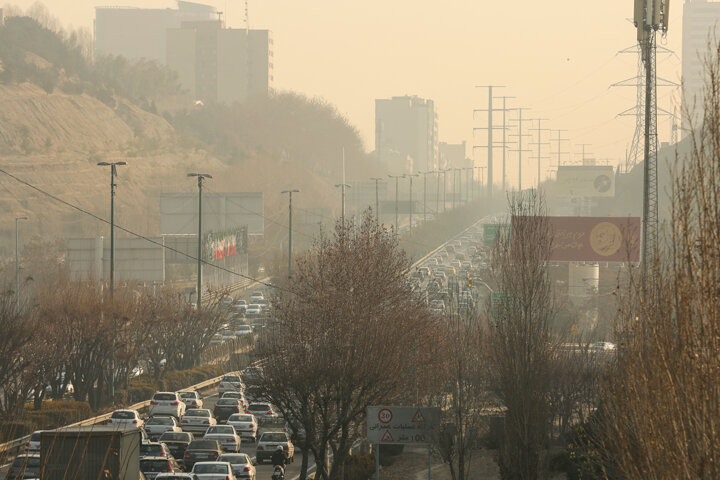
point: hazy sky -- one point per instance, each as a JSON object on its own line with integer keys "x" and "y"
{"x": 557, "y": 57}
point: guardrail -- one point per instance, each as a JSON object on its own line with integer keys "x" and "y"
{"x": 242, "y": 285}
{"x": 10, "y": 449}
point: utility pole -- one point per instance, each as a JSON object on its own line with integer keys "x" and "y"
{"x": 342, "y": 186}
{"x": 504, "y": 140}
{"x": 425, "y": 174}
{"x": 377, "y": 199}
{"x": 290, "y": 243}
{"x": 437, "y": 194}
{"x": 444, "y": 171}
{"x": 539, "y": 157}
{"x": 455, "y": 170}
{"x": 17, "y": 265}
{"x": 520, "y": 136}
{"x": 410, "y": 176}
{"x": 489, "y": 128}
{"x": 200, "y": 178}
{"x": 397, "y": 178}
{"x": 468, "y": 183}
{"x": 482, "y": 177}
{"x": 113, "y": 173}
{"x": 584, "y": 158}
{"x": 559, "y": 141}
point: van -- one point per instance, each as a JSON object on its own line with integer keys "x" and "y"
{"x": 450, "y": 271}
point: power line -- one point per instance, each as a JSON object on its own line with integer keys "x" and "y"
{"x": 119, "y": 227}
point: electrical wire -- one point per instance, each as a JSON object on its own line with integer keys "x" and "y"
{"x": 123, "y": 229}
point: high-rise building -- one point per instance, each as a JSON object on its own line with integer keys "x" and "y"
{"x": 214, "y": 63}
{"x": 700, "y": 22}
{"x": 453, "y": 155}
{"x": 221, "y": 64}
{"x": 136, "y": 33}
{"x": 406, "y": 134}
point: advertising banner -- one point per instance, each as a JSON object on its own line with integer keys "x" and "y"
{"x": 578, "y": 181}
{"x": 592, "y": 239}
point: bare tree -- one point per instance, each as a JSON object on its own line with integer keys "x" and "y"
{"x": 350, "y": 335}
{"x": 662, "y": 407}
{"x": 521, "y": 343}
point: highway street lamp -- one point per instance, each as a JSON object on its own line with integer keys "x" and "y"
{"x": 425, "y": 174}
{"x": 377, "y": 199}
{"x": 290, "y": 192}
{"x": 410, "y": 176}
{"x": 17, "y": 266}
{"x": 397, "y": 178}
{"x": 200, "y": 177}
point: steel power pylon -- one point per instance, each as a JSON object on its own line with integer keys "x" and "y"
{"x": 520, "y": 136}
{"x": 650, "y": 16}
{"x": 539, "y": 144}
{"x": 490, "y": 129}
{"x": 633, "y": 155}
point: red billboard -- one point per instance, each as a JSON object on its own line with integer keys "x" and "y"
{"x": 593, "y": 239}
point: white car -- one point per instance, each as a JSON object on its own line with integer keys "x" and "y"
{"x": 166, "y": 403}
{"x": 602, "y": 346}
{"x": 213, "y": 471}
{"x": 33, "y": 444}
{"x": 268, "y": 443}
{"x": 246, "y": 425}
{"x": 191, "y": 399}
{"x": 256, "y": 296}
{"x": 243, "y": 330}
{"x": 239, "y": 395}
{"x": 241, "y": 464}
{"x": 226, "y": 435}
{"x": 231, "y": 383}
{"x": 197, "y": 420}
{"x": 264, "y": 412}
{"x": 156, "y": 426}
{"x": 126, "y": 417}
{"x": 253, "y": 310}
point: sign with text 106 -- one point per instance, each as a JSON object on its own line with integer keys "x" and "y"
{"x": 402, "y": 425}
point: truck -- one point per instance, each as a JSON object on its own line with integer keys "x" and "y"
{"x": 98, "y": 451}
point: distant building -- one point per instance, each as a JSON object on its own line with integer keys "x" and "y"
{"x": 700, "y": 21}
{"x": 136, "y": 33}
{"x": 214, "y": 63}
{"x": 219, "y": 64}
{"x": 406, "y": 134}
{"x": 2, "y": 17}
{"x": 453, "y": 155}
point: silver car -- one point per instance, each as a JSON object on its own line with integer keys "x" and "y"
{"x": 156, "y": 426}
{"x": 243, "y": 467}
{"x": 197, "y": 420}
{"x": 166, "y": 403}
{"x": 246, "y": 425}
{"x": 225, "y": 434}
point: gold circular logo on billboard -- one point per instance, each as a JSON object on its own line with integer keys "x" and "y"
{"x": 605, "y": 239}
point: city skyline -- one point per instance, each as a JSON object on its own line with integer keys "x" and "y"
{"x": 562, "y": 61}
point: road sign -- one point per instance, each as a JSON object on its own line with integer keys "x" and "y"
{"x": 490, "y": 232}
{"x": 403, "y": 425}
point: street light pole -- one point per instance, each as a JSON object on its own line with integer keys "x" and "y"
{"x": 342, "y": 209}
{"x": 377, "y": 200}
{"x": 425, "y": 174}
{"x": 200, "y": 177}
{"x": 410, "y": 176}
{"x": 17, "y": 266}
{"x": 445, "y": 189}
{"x": 396, "y": 177}
{"x": 113, "y": 173}
{"x": 290, "y": 245}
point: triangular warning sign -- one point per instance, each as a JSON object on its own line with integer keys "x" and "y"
{"x": 418, "y": 417}
{"x": 387, "y": 437}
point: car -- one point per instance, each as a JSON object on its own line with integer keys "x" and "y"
{"x": 177, "y": 442}
{"x": 126, "y": 417}
{"x": 226, "y": 435}
{"x": 213, "y": 471}
{"x": 425, "y": 271}
{"x": 230, "y": 383}
{"x": 226, "y": 301}
{"x": 191, "y": 399}
{"x": 156, "y": 426}
{"x": 241, "y": 464}
{"x": 256, "y": 296}
{"x": 177, "y": 476}
{"x": 455, "y": 264}
{"x": 264, "y": 305}
{"x": 252, "y": 374}
{"x": 154, "y": 449}
{"x": 460, "y": 257}
{"x": 240, "y": 306}
{"x": 268, "y": 443}
{"x": 166, "y": 403}
{"x": 296, "y": 430}
{"x": 602, "y": 346}
{"x": 253, "y": 310}
{"x": 243, "y": 330}
{"x": 197, "y": 420}
{"x": 239, "y": 395}
{"x": 153, "y": 466}
{"x": 246, "y": 425}
{"x": 431, "y": 262}
{"x": 216, "y": 340}
{"x": 225, "y": 407}
{"x": 227, "y": 335}
{"x": 466, "y": 265}
{"x": 26, "y": 465}
{"x": 263, "y": 411}
{"x": 33, "y": 443}
{"x": 450, "y": 270}
{"x": 201, "y": 451}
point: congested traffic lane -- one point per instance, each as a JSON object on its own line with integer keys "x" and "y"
{"x": 263, "y": 471}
